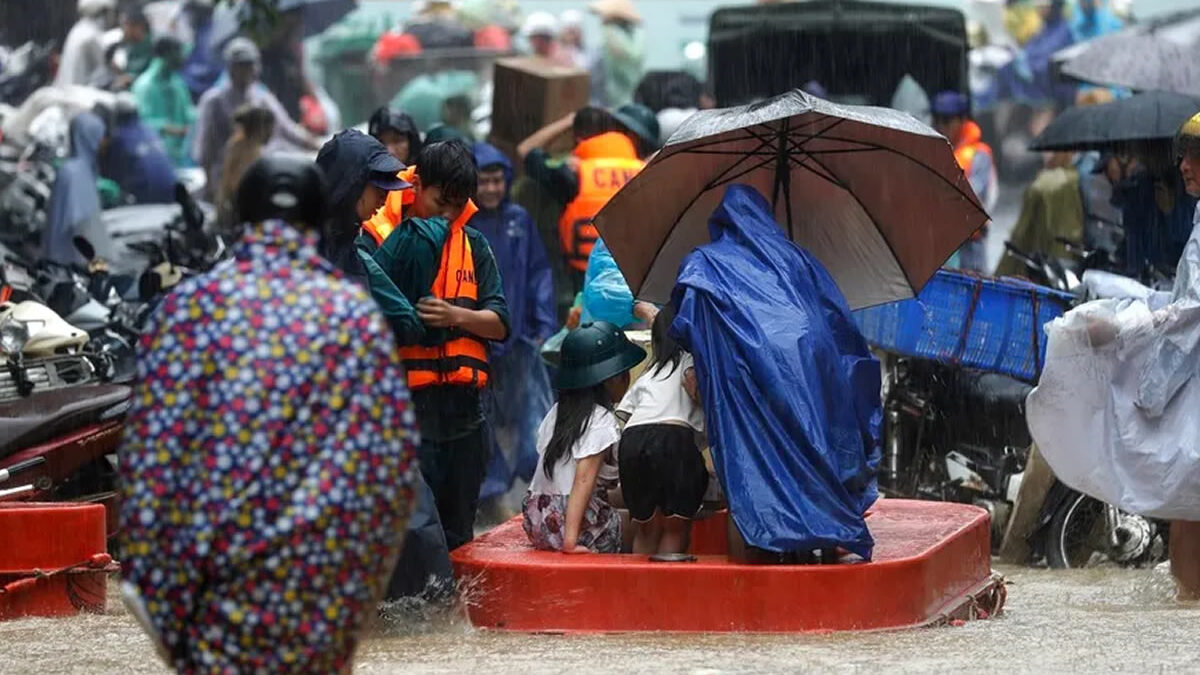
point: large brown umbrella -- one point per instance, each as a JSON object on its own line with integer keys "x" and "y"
{"x": 876, "y": 195}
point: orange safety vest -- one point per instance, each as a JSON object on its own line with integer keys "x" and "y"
{"x": 462, "y": 359}
{"x": 971, "y": 142}
{"x": 607, "y": 163}
{"x": 390, "y": 214}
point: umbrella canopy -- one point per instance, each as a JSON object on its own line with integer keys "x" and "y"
{"x": 1150, "y": 116}
{"x": 1157, "y": 56}
{"x": 874, "y": 194}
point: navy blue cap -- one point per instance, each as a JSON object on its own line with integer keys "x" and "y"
{"x": 951, "y": 104}
{"x": 384, "y": 168}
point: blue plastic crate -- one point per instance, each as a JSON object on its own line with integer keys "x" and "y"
{"x": 991, "y": 324}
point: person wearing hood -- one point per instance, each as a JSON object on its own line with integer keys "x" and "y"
{"x": 398, "y": 133}
{"x": 83, "y": 50}
{"x": 214, "y": 123}
{"x": 520, "y": 385}
{"x": 163, "y": 99}
{"x": 135, "y": 157}
{"x": 1094, "y": 19}
{"x": 361, "y": 174}
{"x": 74, "y": 209}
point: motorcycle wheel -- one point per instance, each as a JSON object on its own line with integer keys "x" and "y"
{"x": 1077, "y": 525}
{"x": 1079, "y": 536}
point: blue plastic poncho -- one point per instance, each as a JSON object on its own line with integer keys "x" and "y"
{"x": 790, "y": 390}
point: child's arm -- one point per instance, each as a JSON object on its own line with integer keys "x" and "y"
{"x": 586, "y": 471}
{"x": 691, "y": 386}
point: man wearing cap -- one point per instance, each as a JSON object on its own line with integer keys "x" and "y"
{"x": 214, "y": 123}
{"x": 540, "y": 30}
{"x": 83, "y": 51}
{"x": 361, "y": 173}
{"x": 951, "y": 118}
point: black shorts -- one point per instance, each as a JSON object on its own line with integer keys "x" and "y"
{"x": 661, "y": 469}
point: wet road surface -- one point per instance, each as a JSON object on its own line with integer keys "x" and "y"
{"x": 1107, "y": 620}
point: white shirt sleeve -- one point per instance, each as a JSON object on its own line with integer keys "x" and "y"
{"x": 601, "y": 434}
{"x": 629, "y": 402}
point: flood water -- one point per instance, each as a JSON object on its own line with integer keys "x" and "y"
{"x": 1107, "y": 620}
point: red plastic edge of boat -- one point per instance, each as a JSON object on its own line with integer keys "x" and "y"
{"x": 932, "y": 565}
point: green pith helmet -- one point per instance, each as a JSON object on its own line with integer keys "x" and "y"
{"x": 1187, "y": 140}
{"x": 593, "y": 353}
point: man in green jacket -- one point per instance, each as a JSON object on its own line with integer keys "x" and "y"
{"x": 164, "y": 101}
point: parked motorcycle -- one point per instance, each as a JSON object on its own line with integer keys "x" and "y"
{"x": 953, "y": 434}
{"x": 957, "y": 434}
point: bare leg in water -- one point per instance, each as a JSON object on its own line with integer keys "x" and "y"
{"x": 1185, "y": 558}
{"x": 676, "y": 535}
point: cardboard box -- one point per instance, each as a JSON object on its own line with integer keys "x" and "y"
{"x": 530, "y": 93}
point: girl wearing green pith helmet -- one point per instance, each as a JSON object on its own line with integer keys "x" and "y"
{"x": 566, "y": 509}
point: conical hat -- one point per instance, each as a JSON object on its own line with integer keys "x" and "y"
{"x": 616, "y": 9}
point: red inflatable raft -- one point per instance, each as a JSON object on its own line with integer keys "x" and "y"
{"x": 932, "y": 565}
{"x": 53, "y": 561}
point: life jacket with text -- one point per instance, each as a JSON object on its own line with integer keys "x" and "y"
{"x": 461, "y": 360}
{"x": 607, "y": 163}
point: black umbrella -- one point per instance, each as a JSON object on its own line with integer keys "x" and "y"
{"x": 1151, "y": 116}
{"x": 876, "y": 195}
{"x": 1157, "y": 56}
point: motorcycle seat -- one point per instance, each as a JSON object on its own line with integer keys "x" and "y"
{"x": 995, "y": 392}
{"x": 46, "y": 415}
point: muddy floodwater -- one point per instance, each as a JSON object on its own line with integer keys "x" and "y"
{"x": 1107, "y": 620}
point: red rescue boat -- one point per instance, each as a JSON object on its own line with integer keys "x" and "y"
{"x": 932, "y": 565}
{"x": 54, "y": 561}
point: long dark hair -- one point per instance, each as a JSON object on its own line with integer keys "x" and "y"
{"x": 575, "y": 408}
{"x": 666, "y": 350}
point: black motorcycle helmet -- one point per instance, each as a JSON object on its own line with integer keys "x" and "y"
{"x": 285, "y": 188}
{"x": 388, "y": 119}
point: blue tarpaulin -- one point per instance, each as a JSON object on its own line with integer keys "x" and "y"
{"x": 789, "y": 388}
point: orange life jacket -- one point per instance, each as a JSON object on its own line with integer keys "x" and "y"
{"x": 463, "y": 358}
{"x": 970, "y": 142}
{"x": 391, "y": 213}
{"x": 607, "y": 163}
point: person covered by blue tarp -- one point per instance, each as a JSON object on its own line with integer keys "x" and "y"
{"x": 520, "y": 386}
{"x": 74, "y": 209}
{"x": 789, "y": 389}
{"x": 1093, "y": 19}
{"x": 136, "y": 159}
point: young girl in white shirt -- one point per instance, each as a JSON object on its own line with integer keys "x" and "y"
{"x": 663, "y": 476}
{"x": 565, "y": 509}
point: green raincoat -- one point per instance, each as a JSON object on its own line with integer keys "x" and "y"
{"x": 401, "y": 271}
{"x": 163, "y": 100}
{"x": 624, "y": 63}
